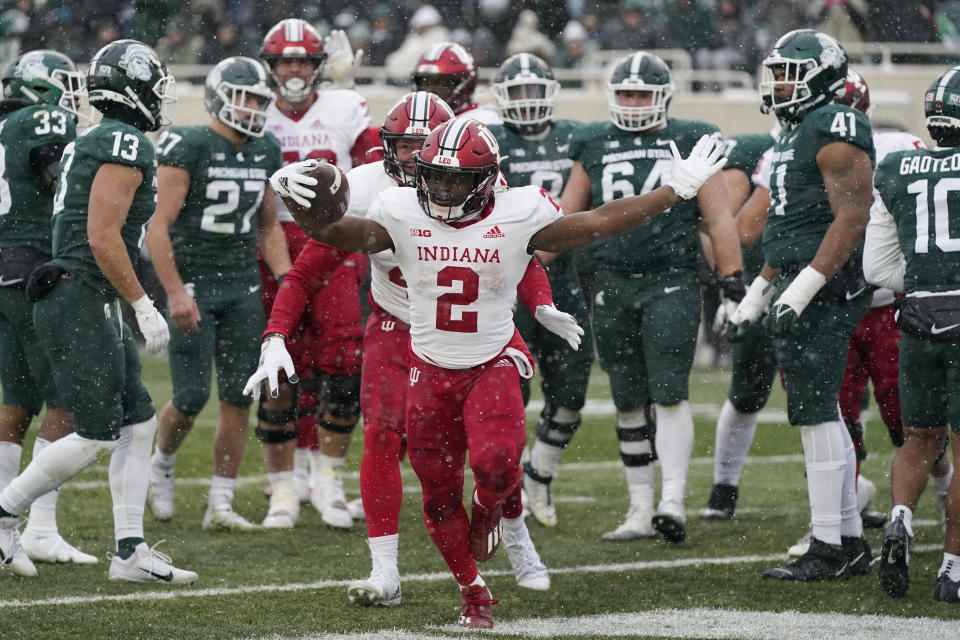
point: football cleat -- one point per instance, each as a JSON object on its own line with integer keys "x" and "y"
{"x": 801, "y": 547}
{"x": 873, "y": 519}
{"x": 637, "y": 525}
{"x": 859, "y": 556}
{"x": 894, "y": 563}
{"x": 671, "y": 521}
{"x": 12, "y": 555}
{"x": 224, "y": 518}
{"x": 528, "y": 568}
{"x": 486, "y": 530}
{"x": 160, "y": 493}
{"x": 146, "y": 564}
{"x": 945, "y": 589}
{"x": 475, "y": 606}
{"x": 539, "y": 498}
{"x": 822, "y": 561}
{"x": 355, "y": 507}
{"x": 722, "y": 503}
{"x": 53, "y": 549}
{"x": 381, "y": 589}
{"x": 328, "y": 499}
{"x": 284, "y": 506}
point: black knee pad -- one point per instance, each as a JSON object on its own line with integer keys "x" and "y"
{"x": 640, "y": 434}
{"x": 554, "y": 433}
{"x": 342, "y": 398}
{"x": 334, "y": 427}
{"x": 276, "y": 416}
{"x": 276, "y": 436}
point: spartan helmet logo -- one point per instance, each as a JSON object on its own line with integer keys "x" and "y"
{"x": 136, "y": 61}
{"x": 831, "y": 55}
{"x": 32, "y": 67}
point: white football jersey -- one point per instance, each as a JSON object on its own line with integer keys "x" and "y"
{"x": 327, "y": 129}
{"x": 387, "y": 286}
{"x": 462, "y": 282}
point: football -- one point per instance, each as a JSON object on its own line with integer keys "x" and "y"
{"x": 331, "y": 201}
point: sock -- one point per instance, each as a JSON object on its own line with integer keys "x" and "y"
{"x": 866, "y": 491}
{"x": 636, "y": 453}
{"x": 273, "y": 477}
{"x": 43, "y": 512}
{"x": 950, "y": 566}
{"x": 301, "y": 467}
{"x": 129, "y": 477}
{"x": 824, "y": 453}
{"x": 221, "y": 492}
{"x": 544, "y": 458}
{"x": 476, "y": 581}
{"x": 127, "y": 546}
{"x": 322, "y": 463}
{"x": 381, "y": 486}
{"x": 10, "y": 454}
{"x": 907, "y": 517}
{"x": 850, "y": 523}
{"x": 384, "y": 551}
{"x": 942, "y": 484}
{"x": 674, "y": 446}
{"x": 735, "y": 431}
{"x": 640, "y": 486}
{"x": 164, "y": 461}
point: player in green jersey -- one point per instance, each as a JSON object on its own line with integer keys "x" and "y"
{"x": 647, "y": 296}
{"x": 42, "y": 91}
{"x": 537, "y": 152}
{"x": 821, "y": 182}
{"x": 214, "y": 203}
{"x": 106, "y": 194}
{"x": 910, "y": 249}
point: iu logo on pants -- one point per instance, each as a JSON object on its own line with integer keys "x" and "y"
{"x": 414, "y": 375}
{"x": 387, "y": 325}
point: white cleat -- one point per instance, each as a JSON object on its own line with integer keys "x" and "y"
{"x": 148, "y": 565}
{"x": 284, "y": 506}
{"x": 799, "y": 549}
{"x": 53, "y": 549}
{"x": 224, "y": 518}
{"x": 381, "y": 589}
{"x": 355, "y": 507}
{"x": 528, "y": 568}
{"x": 12, "y": 556}
{"x": 636, "y": 526}
{"x": 160, "y": 493}
{"x": 329, "y": 501}
{"x": 538, "y": 497}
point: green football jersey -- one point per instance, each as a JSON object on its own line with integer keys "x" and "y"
{"x": 215, "y": 233}
{"x": 921, "y": 189}
{"x": 800, "y": 211}
{"x": 109, "y": 142}
{"x": 25, "y": 201}
{"x": 743, "y": 152}
{"x": 627, "y": 163}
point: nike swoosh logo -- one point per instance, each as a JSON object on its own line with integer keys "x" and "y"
{"x": 253, "y": 289}
{"x": 851, "y": 296}
{"x": 935, "y": 330}
{"x": 562, "y": 148}
{"x": 7, "y": 283}
{"x": 857, "y": 559}
{"x": 671, "y": 289}
{"x": 784, "y": 310}
{"x": 259, "y": 158}
{"x": 159, "y": 576}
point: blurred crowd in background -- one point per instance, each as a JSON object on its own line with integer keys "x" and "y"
{"x": 718, "y": 34}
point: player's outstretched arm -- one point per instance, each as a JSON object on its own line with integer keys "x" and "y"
{"x": 273, "y": 242}
{"x": 617, "y": 216}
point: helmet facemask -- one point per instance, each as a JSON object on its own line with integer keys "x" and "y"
{"x": 449, "y": 193}
{"x": 405, "y": 173}
{"x": 296, "y": 89}
{"x": 643, "y": 118}
{"x": 235, "y": 112}
{"x": 527, "y": 104}
{"x": 795, "y": 73}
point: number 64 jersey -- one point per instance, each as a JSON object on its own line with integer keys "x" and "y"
{"x": 462, "y": 278}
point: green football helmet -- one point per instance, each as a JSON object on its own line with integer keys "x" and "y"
{"x": 128, "y": 82}
{"x": 229, "y": 88}
{"x": 640, "y": 72}
{"x": 44, "y": 76}
{"x": 813, "y": 63}
{"x": 941, "y": 106}
{"x": 526, "y": 93}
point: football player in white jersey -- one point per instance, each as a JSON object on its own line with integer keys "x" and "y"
{"x": 332, "y": 124}
{"x": 447, "y": 69}
{"x": 463, "y": 262}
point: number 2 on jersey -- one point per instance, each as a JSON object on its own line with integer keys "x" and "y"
{"x": 468, "y": 294}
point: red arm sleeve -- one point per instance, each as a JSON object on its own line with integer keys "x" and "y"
{"x": 534, "y": 288}
{"x": 367, "y": 148}
{"x": 309, "y": 273}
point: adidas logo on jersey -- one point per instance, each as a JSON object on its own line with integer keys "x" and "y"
{"x": 503, "y": 362}
{"x": 495, "y": 233}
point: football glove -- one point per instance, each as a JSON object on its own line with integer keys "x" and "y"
{"x": 750, "y": 309}
{"x": 560, "y": 323}
{"x": 732, "y": 291}
{"x": 273, "y": 357}
{"x": 341, "y": 59}
{"x": 688, "y": 174}
{"x": 785, "y": 312}
{"x": 152, "y": 325}
{"x": 291, "y": 182}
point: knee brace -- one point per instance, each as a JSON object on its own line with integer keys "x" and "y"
{"x": 276, "y": 416}
{"x": 276, "y": 436}
{"x": 636, "y": 435}
{"x": 342, "y": 400}
{"x": 553, "y": 432}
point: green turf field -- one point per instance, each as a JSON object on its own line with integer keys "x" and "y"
{"x": 293, "y": 584}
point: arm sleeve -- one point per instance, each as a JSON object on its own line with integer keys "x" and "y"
{"x": 883, "y": 261}
{"x": 45, "y": 160}
{"x": 366, "y": 146}
{"x": 309, "y": 273}
{"x": 534, "y": 288}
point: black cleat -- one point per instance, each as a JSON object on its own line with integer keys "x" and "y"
{"x": 858, "y": 554}
{"x": 894, "y": 572}
{"x": 946, "y": 590}
{"x": 873, "y": 519}
{"x": 822, "y": 561}
{"x": 722, "y": 503}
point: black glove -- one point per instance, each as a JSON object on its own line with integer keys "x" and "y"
{"x": 733, "y": 287}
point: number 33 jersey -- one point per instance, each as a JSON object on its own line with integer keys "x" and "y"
{"x": 462, "y": 280}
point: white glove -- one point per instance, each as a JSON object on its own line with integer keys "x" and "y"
{"x": 725, "y": 312}
{"x": 785, "y": 314}
{"x": 273, "y": 357}
{"x": 560, "y": 323}
{"x": 688, "y": 174}
{"x": 290, "y": 181}
{"x": 755, "y": 303}
{"x": 341, "y": 59}
{"x": 152, "y": 325}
